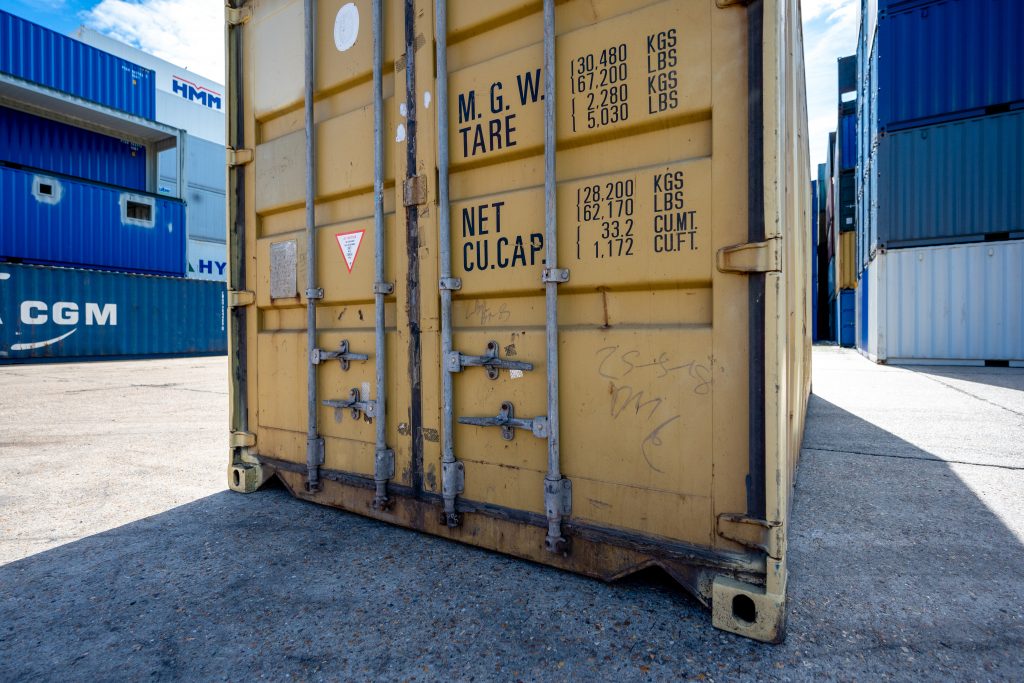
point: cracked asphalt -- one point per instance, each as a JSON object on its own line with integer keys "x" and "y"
{"x": 123, "y": 557}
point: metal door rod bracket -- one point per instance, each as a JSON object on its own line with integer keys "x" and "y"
{"x": 342, "y": 354}
{"x": 455, "y": 361}
{"x": 508, "y": 422}
{"x": 557, "y": 275}
{"x": 355, "y": 403}
{"x": 451, "y": 284}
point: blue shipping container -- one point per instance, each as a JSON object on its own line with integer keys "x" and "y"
{"x": 33, "y": 53}
{"x": 66, "y": 314}
{"x": 951, "y": 182}
{"x": 847, "y": 317}
{"x": 55, "y": 220}
{"x": 848, "y": 142}
{"x": 948, "y": 59}
{"x": 39, "y": 143}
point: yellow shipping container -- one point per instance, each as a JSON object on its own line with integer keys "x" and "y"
{"x": 536, "y": 281}
{"x": 847, "y": 260}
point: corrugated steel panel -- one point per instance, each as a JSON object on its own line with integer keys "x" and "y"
{"x": 847, "y": 317}
{"x": 205, "y": 176}
{"x": 848, "y": 142}
{"x": 814, "y": 260}
{"x": 862, "y": 317}
{"x": 822, "y": 191}
{"x": 44, "y": 144}
{"x": 67, "y": 314}
{"x": 204, "y": 164}
{"x": 59, "y": 221}
{"x": 207, "y": 260}
{"x": 951, "y": 182}
{"x": 846, "y": 202}
{"x": 847, "y": 271}
{"x": 37, "y": 54}
{"x": 206, "y": 214}
{"x": 948, "y": 59}
{"x": 950, "y": 303}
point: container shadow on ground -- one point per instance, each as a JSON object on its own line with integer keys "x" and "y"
{"x": 898, "y": 572}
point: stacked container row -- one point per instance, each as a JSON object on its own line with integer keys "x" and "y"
{"x": 939, "y": 170}
{"x": 836, "y": 225}
{"x": 91, "y": 255}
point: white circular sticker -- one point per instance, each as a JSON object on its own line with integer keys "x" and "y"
{"x": 346, "y": 27}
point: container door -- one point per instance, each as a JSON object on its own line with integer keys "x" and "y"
{"x": 651, "y": 118}
{"x": 277, "y": 355}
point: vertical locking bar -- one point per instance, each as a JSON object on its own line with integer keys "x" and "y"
{"x": 384, "y": 459}
{"x": 314, "y": 444}
{"x": 238, "y": 316}
{"x": 450, "y": 471}
{"x": 553, "y": 486}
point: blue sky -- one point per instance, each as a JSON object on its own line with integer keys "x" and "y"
{"x": 189, "y": 33}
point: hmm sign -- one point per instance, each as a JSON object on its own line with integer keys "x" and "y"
{"x": 196, "y": 93}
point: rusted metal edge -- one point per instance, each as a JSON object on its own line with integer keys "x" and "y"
{"x": 412, "y": 237}
{"x": 656, "y": 547}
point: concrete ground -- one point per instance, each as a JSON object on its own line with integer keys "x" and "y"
{"x": 123, "y": 557}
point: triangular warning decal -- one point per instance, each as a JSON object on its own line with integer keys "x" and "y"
{"x": 349, "y": 243}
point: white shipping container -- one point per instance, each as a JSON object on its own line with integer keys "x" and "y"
{"x": 961, "y": 304}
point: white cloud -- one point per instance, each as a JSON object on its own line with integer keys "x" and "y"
{"x": 189, "y": 33}
{"x": 830, "y": 32}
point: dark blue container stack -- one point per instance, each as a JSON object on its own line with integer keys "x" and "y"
{"x": 91, "y": 261}
{"x": 940, "y": 165}
{"x": 941, "y": 88}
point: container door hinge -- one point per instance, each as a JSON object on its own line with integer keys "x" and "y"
{"x": 752, "y": 257}
{"x": 415, "y": 191}
{"x": 354, "y": 403}
{"x": 509, "y": 423}
{"x": 455, "y": 362}
{"x": 240, "y": 297}
{"x": 242, "y": 440}
{"x": 342, "y": 354}
{"x": 239, "y": 157}
{"x": 237, "y": 15}
{"x": 558, "y": 497}
{"x": 383, "y": 471}
{"x": 766, "y": 536}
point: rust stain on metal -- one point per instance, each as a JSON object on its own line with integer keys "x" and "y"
{"x": 431, "y": 434}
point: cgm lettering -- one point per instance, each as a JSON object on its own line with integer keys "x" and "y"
{"x": 67, "y": 313}
{"x": 196, "y": 93}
